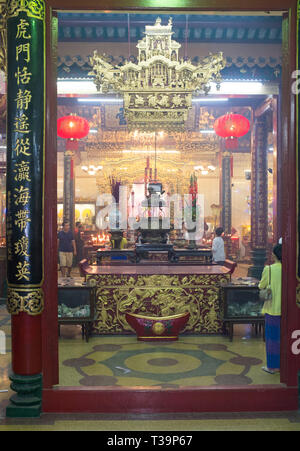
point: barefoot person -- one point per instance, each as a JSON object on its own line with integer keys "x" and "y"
{"x": 66, "y": 249}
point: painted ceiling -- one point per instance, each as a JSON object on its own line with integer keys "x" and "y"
{"x": 118, "y": 27}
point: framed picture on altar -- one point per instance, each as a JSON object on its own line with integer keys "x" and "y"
{"x": 84, "y": 212}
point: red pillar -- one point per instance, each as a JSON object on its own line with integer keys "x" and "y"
{"x": 26, "y": 344}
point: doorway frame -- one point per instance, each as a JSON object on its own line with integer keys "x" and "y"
{"x": 188, "y": 399}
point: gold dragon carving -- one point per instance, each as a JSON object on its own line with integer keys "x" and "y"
{"x": 157, "y": 295}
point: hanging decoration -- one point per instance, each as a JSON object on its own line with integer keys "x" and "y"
{"x": 157, "y": 91}
{"x": 72, "y": 128}
{"x": 231, "y": 126}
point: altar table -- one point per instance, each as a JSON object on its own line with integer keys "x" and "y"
{"x": 157, "y": 290}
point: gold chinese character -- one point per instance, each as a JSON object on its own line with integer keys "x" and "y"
{"x": 23, "y": 271}
{"x": 23, "y": 77}
{"x": 22, "y": 146}
{"x": 22, "y": 30}
{"x": 22, "y": 219}
{"x": 22, "y": 172}
{"x": 22, "y": 196}
{"x": 21, "y": 247}
{"x": 23, "y": 48}
{"x": 21, "y": 124}
{"x": 23, "y": 99}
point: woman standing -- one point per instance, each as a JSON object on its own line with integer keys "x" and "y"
{"x": 272, "y": 311}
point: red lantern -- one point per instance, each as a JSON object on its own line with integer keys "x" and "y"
{"x": 72, "y": 128}
{"x": 231, "y": 127}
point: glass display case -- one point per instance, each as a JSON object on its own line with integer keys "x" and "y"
{"x": 76, "y": 304}
{"x": 241, "y": 304}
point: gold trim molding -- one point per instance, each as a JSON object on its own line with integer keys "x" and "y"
{"x": 33, "y": 8}
{"x": 30, "y": 301}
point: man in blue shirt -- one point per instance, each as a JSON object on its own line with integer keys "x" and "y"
{"x": 66, "y": 249}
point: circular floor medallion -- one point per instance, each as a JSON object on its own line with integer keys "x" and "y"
{"x": 165, "y": 362}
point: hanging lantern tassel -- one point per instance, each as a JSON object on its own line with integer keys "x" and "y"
{"x": 231, "y": 143}
{"x": 72, "y": 145}
{"x": 231, "y": 127}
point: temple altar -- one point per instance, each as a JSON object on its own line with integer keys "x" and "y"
{"x": 153, "y": 290}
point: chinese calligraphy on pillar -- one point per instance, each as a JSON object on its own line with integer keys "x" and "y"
{"x": 259, "y": 187}
{"x": 226, "y": 192}
{"x": 259, "y": 197}
{"x": 69, "y": 188}
{"x": 25, "y": 155}
{"x": 226, "y": 200}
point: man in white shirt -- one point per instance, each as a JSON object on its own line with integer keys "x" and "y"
{"x": 218, "y": 250}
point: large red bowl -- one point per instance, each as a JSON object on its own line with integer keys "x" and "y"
{"x": 149, "y": 328}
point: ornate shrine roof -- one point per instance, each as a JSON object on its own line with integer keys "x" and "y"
{"x": 239, "y": 68}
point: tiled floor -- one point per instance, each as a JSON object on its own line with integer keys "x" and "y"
{"x": 123, "y": 361}
{"x": 191, "y": 361}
